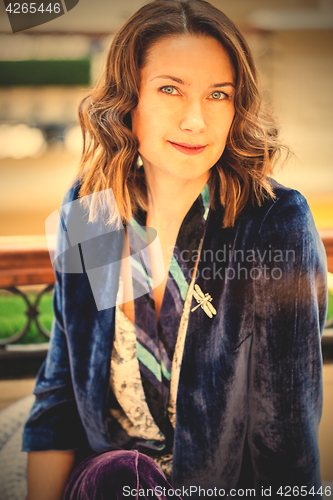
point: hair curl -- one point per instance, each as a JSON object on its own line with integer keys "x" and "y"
{"x": 110, "y": 148}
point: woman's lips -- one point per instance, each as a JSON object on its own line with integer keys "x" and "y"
{"x": 188, "y": 149}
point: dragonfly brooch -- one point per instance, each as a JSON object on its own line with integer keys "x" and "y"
{"x": 204, "y": 301}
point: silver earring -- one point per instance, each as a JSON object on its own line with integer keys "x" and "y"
{"x": 139, "y": 162}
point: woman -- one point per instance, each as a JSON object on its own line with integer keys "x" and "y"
{"x": 216, "y": 362}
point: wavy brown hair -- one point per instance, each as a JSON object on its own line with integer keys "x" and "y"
{"x": 110, "y": 150}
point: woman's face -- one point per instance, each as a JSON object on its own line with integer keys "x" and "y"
{"x": 185, "y": 106}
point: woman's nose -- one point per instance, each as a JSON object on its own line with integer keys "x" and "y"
{"x": 193, "y": 119}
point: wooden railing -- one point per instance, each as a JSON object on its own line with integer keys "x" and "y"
{"x": 26, "y": 261}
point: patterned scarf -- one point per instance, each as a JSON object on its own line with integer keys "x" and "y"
{"x": 156, "y": 341}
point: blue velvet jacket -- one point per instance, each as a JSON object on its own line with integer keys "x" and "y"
{"x": 250, "y": 390}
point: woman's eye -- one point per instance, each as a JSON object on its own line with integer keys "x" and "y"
{"x": 218, "y": 95}
{"x": 169, "y": 89}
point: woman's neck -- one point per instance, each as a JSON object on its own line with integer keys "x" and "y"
{"x": 170, "y": 198}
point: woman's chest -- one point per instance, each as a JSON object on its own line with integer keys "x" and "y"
{"x": 156, "y": 264}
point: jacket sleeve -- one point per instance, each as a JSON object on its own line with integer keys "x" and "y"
{"x": 285, "y": 383}
{"x": 54, "y": 422}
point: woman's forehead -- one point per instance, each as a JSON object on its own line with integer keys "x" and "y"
{"x": 193, "y": 56}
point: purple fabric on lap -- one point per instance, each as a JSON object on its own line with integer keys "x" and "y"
{"x": 118, "y": 474}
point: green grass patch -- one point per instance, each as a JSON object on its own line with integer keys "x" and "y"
{"x": 13, "y": 317}
{"x": 330, "y": 305}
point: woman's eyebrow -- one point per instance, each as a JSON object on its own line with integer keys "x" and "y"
{"x": 181, "y": 82}
{"x": 169, "y": 77}
{"x": 224, "y": 84}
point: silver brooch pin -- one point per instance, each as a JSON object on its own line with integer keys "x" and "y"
{"x": 204, "y": 300}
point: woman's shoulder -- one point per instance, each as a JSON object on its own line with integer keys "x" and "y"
{"x": 72, "y": 192}
{"x": 284, "y": 220}
{"x": 288, "y": 209}
{"x": 287, "y": 222}
{"x": 289, "y": 196}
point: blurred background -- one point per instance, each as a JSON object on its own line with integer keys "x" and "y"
{"x": 45, "y": 72}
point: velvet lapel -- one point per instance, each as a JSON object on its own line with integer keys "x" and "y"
{"x": 211, "y": 349}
